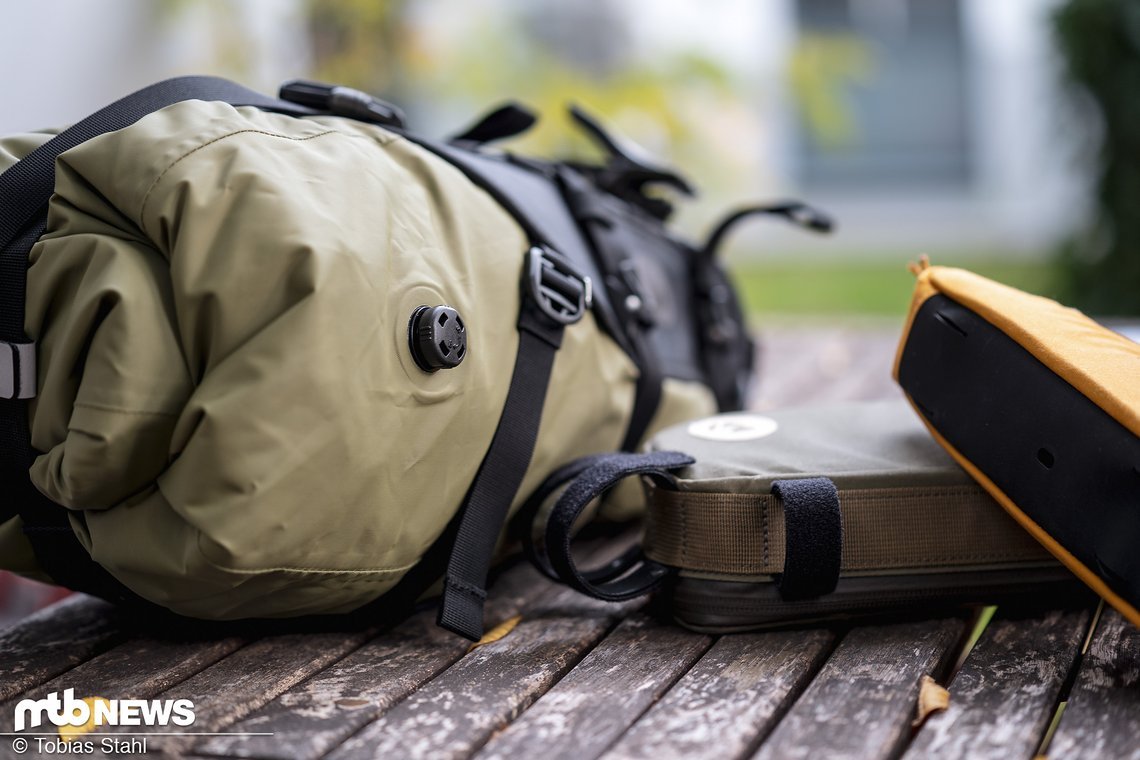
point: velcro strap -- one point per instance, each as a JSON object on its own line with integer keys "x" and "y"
{"x": 631, "y": 575}
{"x": 813, "y": 547}
{"x": 901, "y": 528}
{"x": 17, "y": 370}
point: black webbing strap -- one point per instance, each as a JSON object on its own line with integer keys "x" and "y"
{"x": 630, "y": 575}
{"x": 28, "y": 184}
{"x": 647, "y": 394}
{"x": 526, "y": 520}
{"x": 813, "y": 537}
{"x": 25, "y": 189}
{"x": 550, "y": 287}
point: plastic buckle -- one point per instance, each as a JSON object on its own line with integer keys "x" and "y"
{"x": 17, "y": 370}
{"x": 559, "y": 290}
{"x": 341, "y": 101}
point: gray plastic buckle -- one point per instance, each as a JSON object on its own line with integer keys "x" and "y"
{"x": 559, "y": 290}
{"x": 17, "y": 370}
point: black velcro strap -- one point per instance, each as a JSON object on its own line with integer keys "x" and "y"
{"x": 813, "y": 530}
{"x": 630, "y": 575}
{"x": 524, "y": 525}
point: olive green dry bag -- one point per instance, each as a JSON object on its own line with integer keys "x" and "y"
{"x": 274, "y": 357}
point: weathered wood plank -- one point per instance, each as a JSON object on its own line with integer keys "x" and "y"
{"x": 1004, "y": 697}
{"x": 862, "y": 702}
{"x": 455, "y": 713}
{"x": 245, "y": 680}
{"x": 55, "y": 640}
{"x": 814, "y": 365}
{"x": 730, "y": 699}
{"x": 1102, "y": 718}
{"x": 315, "y": 716}
{"x": 604, "y": 694}
{"x": 137, "y": 669}
{"x": 789, "y": 367}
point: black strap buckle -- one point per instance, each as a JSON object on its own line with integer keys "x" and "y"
{"x": 342, "y": 101}
{"x": 559, "y": 290}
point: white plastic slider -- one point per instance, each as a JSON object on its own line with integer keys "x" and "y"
{"x": 17, "y": 370}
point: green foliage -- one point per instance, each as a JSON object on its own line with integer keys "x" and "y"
{"x": 393, "y": 48}
{"x": 359, "y": 43}
{"x": 823, "y": 66}
{"x": 1101, "y": 43}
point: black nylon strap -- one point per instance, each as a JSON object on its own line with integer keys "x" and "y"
{"x": 484, "y": 512}
{"x": 647, "y": 395}
{"x": 496, "y": 483}
{"x": 25, "y": 189}
{"x": 631, "y": 575}
{"x": 28, "y": 184}
{"x": 813, "y": 530}
{"x": 535, "y": 550}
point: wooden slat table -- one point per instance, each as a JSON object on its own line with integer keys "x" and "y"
{"x": 577, "y": 678}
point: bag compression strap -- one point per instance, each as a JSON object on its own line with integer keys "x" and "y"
{"x": 25, "y": 189}
{"x": 554, "y": 295}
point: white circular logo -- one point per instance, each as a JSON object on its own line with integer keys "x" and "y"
{"x": 733, "y": 427}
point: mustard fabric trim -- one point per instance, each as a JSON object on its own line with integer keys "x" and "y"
{"x": 1101, "y": 364}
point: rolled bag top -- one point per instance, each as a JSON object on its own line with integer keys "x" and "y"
{"x": 227, "y": 399}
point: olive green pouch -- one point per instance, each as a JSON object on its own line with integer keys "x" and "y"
{"x": 910, "y": 528}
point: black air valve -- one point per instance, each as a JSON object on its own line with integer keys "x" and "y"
{"x": 437, "y": 338}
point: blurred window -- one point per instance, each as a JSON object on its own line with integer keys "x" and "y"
{"x": 882, "y": 88}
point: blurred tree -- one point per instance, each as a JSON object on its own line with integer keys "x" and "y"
{"x": 360, "y": 43}
{"x": 1101, "y": 43}
{"x": 822, "y": 68}
{"x": 443, "y": 63}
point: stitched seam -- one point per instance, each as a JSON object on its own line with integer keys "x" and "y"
{"x": 684, "y": 534}
{"x": 385, "y": 571}
{"x": 150, "y": 190}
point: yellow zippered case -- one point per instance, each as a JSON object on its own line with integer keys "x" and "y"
{"x": 1041, "y": 405}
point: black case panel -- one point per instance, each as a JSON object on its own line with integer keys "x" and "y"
{"x": 1067, "y": 464}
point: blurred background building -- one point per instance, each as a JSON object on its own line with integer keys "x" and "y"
{"x": 925, "y": 124}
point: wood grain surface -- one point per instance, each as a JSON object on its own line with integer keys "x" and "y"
{"x": 862, "y": 701}
{"x": 312, "y": 718}
{"x": 453, "y": 715}
{"x": 1102, "y": 718}
{"x": 730, "y": 700}
{"x": 599, "y": 699}
{"x": 54, "y": 640}
{"x": 1004, "y": 697}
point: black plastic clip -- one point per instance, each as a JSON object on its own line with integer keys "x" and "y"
{"x": 559, "y": 290}
{"x": 342, "y": 101}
